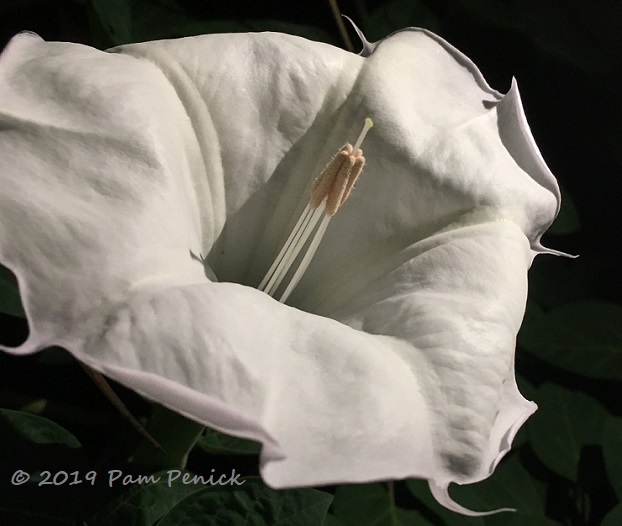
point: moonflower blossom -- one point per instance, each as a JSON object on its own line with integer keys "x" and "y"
{"x": 145, "y": 192}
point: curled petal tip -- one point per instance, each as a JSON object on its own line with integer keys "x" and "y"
{"x": 368, "y": 47}
{"x": 540, "y": 249}
{"x": 441, "y": 494}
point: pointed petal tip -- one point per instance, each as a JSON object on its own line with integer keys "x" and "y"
{"x": 441, "y": 494}
{"x": 538, "y": 249}
{"x": 368, "y": 47}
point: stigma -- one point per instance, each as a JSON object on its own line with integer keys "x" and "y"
{"x": 328, "y": 193}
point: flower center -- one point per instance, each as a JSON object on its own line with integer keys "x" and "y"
{"x": 328, "y": 192}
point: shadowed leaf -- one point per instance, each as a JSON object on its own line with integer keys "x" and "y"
{"x": 564, "y": 423}
{"x": 252, "y": 504}
{"x": 582, "y": 337}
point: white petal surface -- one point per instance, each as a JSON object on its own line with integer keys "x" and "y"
{"x": 395, "y": 355}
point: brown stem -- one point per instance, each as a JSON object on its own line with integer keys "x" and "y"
{"x": 342, "y": 27}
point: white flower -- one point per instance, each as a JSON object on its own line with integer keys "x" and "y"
{"x": 394, "y": 356}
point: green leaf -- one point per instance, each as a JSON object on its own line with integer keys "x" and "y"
{"x": 529, "y": 392}
{"x": 34, "y": 443}
{"x": 397, "y": 15}
{"x": 35, "y": 429}
{"x": 371, "y": 505}
{"x": 252, "y": 504}
{"x": 10, "y": 302}
{"x": 53, "y": 466}
{"x": 554, "y": 282}
{"x": 612, "y": 451}
{"x": 582, "y": 337}
{"x": 567, "y": 221}
{"x": 409, "y": 518}
{"x": 177, "y": 435}
{"x": 518, "y": 519}
{"x": 614, "y": 517}
{"x": 216, "y": 443}
{"x": 143, "y": 504}
{"x": 564, "y": 423}
{"x": 332, "y": 520}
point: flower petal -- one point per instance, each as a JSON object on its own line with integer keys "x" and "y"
{"x": 395, "y": 358}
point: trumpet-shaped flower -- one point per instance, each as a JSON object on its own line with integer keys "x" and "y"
{"x": 146, "y": 191}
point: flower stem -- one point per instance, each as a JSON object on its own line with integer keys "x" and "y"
{"x": 340, "y": 25}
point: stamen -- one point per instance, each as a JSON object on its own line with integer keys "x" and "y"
{"x": 290, "y": 255}
{"x": 366, "y": 127}
{"x": 299, "y": 225}
{"x": 328, "y": 192}
{"x": 323, "y": 183}
{"x": 304, "y": 264}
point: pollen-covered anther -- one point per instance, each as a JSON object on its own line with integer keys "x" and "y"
{"x": 335, "y": 182}
{"x": 355, "y": 171}
{"x": 323, "y": 183}
{"x": 344, "y": 181}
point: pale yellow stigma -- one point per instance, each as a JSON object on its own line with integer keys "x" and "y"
{"x": 328, "y": 192}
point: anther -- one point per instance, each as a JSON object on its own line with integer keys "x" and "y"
{"x": 328, "y": 192}
{"x": 355, "y": 171}
{"x": 323, "y": 183}
{"x": 337, "y": 179}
